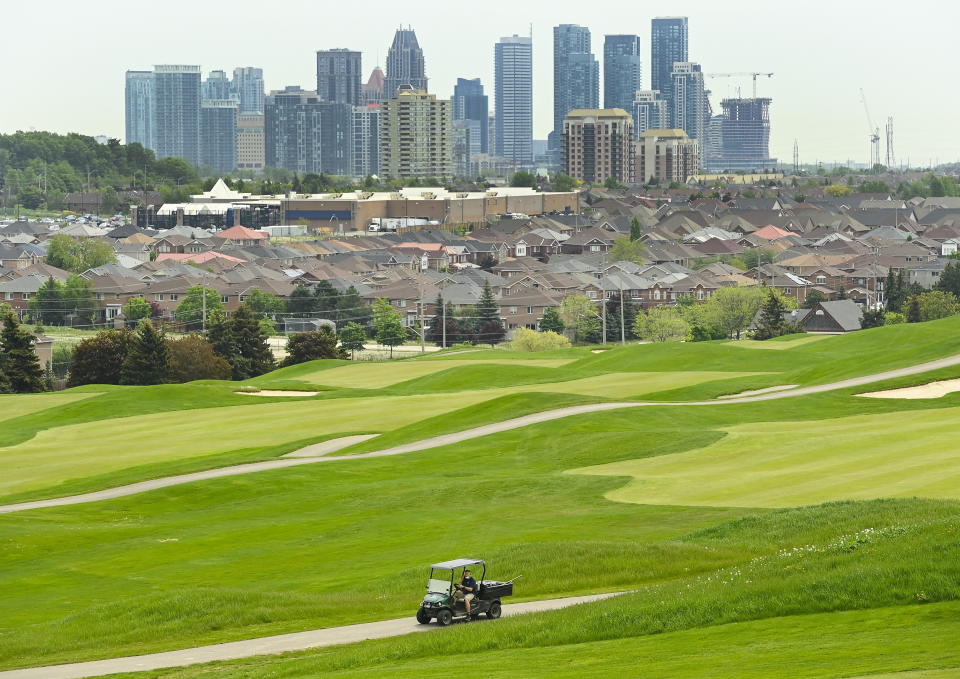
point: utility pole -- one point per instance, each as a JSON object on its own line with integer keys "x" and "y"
{"x": 623, "y": 331}
{"x": 604, "y": 302}
{"x": 203, "y": 307}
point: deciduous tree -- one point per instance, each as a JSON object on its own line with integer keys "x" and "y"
{"x": 192, "y": 358}
{"x": 191, "y": 309}
{"x": 387, "y": 325}
{"x": 661, "y": 324}
{"x": 99, "y": 359}
{"x": 352, "y": 338}
{"x": 137, "y": 308}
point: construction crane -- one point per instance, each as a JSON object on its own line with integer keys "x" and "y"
{"x": 874, "y": 134}
{"x": 740, "y": 75}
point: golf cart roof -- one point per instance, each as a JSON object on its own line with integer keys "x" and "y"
{"x": 456, "y": 563}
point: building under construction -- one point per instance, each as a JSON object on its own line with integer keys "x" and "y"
{"x": 740, "y": 137}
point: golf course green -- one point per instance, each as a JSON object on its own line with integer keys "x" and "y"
{"x": 745, "y": 533}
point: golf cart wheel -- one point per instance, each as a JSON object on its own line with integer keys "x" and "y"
{"x": 444, "y": 617}
{"x": 422, "y": 616}
{"x": 494, "y": 611}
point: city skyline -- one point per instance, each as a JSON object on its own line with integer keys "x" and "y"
{"x": 816, "y": 97}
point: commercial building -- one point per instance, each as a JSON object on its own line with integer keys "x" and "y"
{"x": 576, "y": 77}
{"x": 621, "y": 70}
{"x": 470, "y": 105}
{"x": 690, "y": 106}
{"x": 216, "y": 86}
{"x": 372, "y": 91}
{"x": 248, "y": 88}
{"x": 740, "y": 138}
{"x": 303, "y": 133}
{"x": 355, "y": 211}
{"x": 251, "y": 151}
{"x": 668, "y": 45}
{"x": 338, "y": 76}
{"x": 665, "y": 156}
{"x": 513, "y": 66}
{"x": 649, "y": 112}
{"x": 416, "y": 136}
{"x": 405, "y": 64}
{"x": 366, "y": 140}
{"x": 597, "y": 145}
{"x": 139, "y": 108}
{"x": 218, "y": 134}
{"x": 177, "y": 112}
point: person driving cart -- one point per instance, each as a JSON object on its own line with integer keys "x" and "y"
{"x": 466, "y": 590}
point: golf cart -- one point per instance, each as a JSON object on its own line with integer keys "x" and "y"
{"x": 441, "y": 605}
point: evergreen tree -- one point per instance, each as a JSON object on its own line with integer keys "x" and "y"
{"x": 634, "y": 229}
{"x": 352, "y": 309}
{"x": 890, "y": 288}
{"x": 47, "y": 304}
{"x": 913, "y": 310}
{"x": 613, "y": 319}
{"x": 387, "y": 325}
{"x": 436, "y": 334}
{"x": 243, "y": 344}
{"x": 489, "y": 327}
{"x": 148, "y": 359}
{"x": 301, "y": 302}
{"x": 551, "y": 321}
{"x": 21, "y": 367}
{"x": 4, "y": 382}
{"x": 770, "y": 322}
{"x": 950, "y": 279}
{"x": 326, "y": 298}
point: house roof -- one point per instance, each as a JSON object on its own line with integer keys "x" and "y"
{"x": 241, "y": 233}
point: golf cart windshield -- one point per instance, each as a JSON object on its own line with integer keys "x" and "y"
{"x": 435, "y": 586}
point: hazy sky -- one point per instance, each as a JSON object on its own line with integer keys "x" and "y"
{"x": 62, "y": 62}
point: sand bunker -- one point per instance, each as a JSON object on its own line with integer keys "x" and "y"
{"x": 757, "y": 392}
{"x": 930, "y": 390}
{"x": 320, "y": 449}
{"x": 272, "y": 392}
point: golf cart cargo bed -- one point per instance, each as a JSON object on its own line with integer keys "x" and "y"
{"x": 496, "y": 590}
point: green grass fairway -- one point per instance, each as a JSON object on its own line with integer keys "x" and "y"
{"x": 788, "y": 342}
{"x": 822, "y": 646}
{"x": 377, "y": 375}
{"x": 64, "y": 453}
{"x": 706, "y": 513}
{"x": 18, "y": 405}
{"x": 784, "y": 464}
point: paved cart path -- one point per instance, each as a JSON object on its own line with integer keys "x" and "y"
{"x": 281, "y": 643}
{"x": 293, "y": 459}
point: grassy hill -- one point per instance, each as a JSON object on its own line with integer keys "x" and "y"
{"x": 707, "y": 513}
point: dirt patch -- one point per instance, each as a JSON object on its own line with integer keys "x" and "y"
{"x": 756, "y": 392}
{"x": 274, "y": 392}
{"x": 929, "y": 390}
{"x": 599, "y": 351}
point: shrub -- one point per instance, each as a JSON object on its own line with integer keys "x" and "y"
{"x": 531, "y": 340}
{"x": 313, "y": 346}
